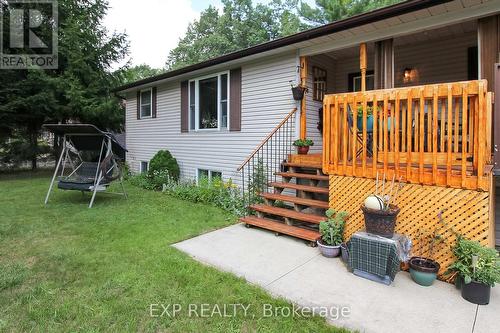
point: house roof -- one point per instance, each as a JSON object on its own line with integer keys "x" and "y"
{"x": 348, "y": 23}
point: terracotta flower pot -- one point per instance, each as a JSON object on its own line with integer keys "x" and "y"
{"x": 303, "y": 150}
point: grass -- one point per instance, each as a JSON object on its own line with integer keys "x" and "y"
{"x": 65, "y": 267}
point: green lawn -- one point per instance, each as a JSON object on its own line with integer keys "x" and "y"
{"x": 65, "y": 267}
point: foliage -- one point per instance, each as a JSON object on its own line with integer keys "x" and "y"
{"x": 221, "y": 194}
{"x": 303, "y": 143}
{"x": 327, "y": 11}
{"x": 257, "y": 182}
{"x": 17, "y": 149}
{"x": 369, "y": 110}
{"x": 163, "y": 164}
{"x": 136, "y": 73}
{"x": 78, "y": 90}
{"x": 240, "y": 25}
{"x": 332, "y": 230}
{"x": 475, "y": 262}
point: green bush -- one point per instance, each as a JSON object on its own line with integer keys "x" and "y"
{"x": 475, "y": 262}
{"x": 221, "y": 194}
{"x": 332, "y": 230}
{"x": 163, "y": 164}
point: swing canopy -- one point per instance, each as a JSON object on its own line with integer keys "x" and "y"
{"x": 90, "y": 154}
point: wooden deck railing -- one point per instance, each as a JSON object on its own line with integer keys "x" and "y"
{"x": 436, "y": 134}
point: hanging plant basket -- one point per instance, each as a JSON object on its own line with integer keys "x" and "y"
{"x": 298, "y": 93}
{"x": 381, "y": 222}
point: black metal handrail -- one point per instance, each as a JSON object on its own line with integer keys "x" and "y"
{"x": 260, "y": 168}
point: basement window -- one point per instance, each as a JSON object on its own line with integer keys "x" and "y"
{"x": 209, "y": 175}
{"x": 144, "y": 166}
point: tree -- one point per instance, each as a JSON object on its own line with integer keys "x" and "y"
{"x": 78, "y": 90}
{"x": 327, "y": 11}
{"x": 240, "y": 25}
{"x": 138, "y": 72}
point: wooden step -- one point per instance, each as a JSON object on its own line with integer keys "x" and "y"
{"x": 281, "y": 228}
{"x": 303, "y": 165}
{"x": 310, "y": 218}
{"x": 305, "y": 188}
{"x": 302, "y": 175}
{"x": 296, "y": 200}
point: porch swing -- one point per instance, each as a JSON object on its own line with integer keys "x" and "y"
{"x": 93, "y": 157}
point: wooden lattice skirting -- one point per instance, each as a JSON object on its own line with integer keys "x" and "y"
{"x": 468, "y": 212}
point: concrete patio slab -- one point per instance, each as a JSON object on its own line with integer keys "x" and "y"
{"x": 288, "y": 268}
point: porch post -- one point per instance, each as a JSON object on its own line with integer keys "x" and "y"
{"x": 384, "y": 64}
{"x": 362, "y": 65}
{"x": 489, "y": 47}
{"x": 303, "y": 82}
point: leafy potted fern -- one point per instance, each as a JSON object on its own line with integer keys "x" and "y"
{"x": 332, "y": 232}
{"x": 303, "y": 145}
{"x": 478, "y": 269}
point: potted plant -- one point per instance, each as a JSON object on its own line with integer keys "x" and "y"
{"x": 332, "y": 231}
{"x": 369, "y": 118}
{"x": 298, "y": 91}
{"x": 424, "y": 270}
{"x": 478, "y": 269}
{"x": 303, "y": 145}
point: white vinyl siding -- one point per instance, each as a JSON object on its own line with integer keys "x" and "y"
{"x": 266, "y": 100}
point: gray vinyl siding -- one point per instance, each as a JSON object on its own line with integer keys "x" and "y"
{"x": 266, "y": 100}
{"x": 312, "y": 106}
{"x": 436, "y": 61}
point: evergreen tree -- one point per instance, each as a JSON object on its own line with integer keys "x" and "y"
{"x": 78, "y": 90}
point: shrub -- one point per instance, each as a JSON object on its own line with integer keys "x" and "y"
{"x": 332, "y": 230}
{"x": 162, "y": 164}
{"x": 475, "y": 262}
{"x": 221, "y": 194}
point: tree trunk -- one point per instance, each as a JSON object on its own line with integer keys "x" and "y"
{"x": 33, "y": 135}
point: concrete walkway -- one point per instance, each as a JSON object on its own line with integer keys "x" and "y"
{"x": 288, "y": 268}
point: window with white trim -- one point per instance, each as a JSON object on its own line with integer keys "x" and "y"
{"x": 146, "y": 103}
{"x": 209, "y": 102}
{"x": 144, "y": 166}
{"x": 210, "y": 175}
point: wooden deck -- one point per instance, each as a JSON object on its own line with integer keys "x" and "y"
{"x": 436, "y": 134}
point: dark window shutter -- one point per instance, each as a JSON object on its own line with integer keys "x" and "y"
{"x": 184, "y": 107}
{"x": 139, "y": 105}
{"x": 153, "y": 106}
{"x": 235, "y": 100}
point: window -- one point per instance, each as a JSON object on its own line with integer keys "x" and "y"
{"x": 319, "y": 83}
{"x": 354, "y": 81}
{"x": 146, "y": 102}
{"x": 210, "y": 175}
{"x": 144, "y": 166}
{"x": 209, "y": 102}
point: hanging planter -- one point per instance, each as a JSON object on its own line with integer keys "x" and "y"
{"x": 298, "y": 91}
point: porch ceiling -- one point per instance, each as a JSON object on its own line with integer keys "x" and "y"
{"x": 437, "y": 18}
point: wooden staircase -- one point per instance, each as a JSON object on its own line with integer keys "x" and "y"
{"x": 297, "y": 204}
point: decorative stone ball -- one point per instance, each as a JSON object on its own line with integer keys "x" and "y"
{"x": 374, "y": 202}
